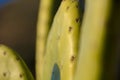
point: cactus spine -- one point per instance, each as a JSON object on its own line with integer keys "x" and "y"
{"x": 12, "y": 66}
{"x": 62, "y": 42}
{"x": 47, "y": 11}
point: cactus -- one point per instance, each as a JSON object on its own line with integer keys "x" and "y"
{"x": 96, "y": 51}
{"x": 62, "y": 43}
{"x": 64, "y": 51}
{"x": 12, "y": 66}
{"x": 47, "y": 11}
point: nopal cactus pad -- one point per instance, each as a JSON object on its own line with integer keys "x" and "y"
{"x": 12, "y": 66}
{"x": 62, "y": 44}
{"x": 93, "y": 41}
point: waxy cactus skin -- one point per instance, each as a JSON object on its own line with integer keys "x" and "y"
{"x": 12, "y": 66}
{"x": 62, "y": 42}
{"x": 46, "y": 13}
{"x": 96, "y": 46}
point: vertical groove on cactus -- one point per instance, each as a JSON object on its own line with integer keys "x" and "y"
{"x": 47, "y": 11}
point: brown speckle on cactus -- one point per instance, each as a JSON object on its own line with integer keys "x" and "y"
{"x": 4, "y": 74}
{"x": 20, "y": 75}
{"x": 70, "y": 29}
{"x": 4, "y": 53}
{"x": 67, "y": 7}
{"x": 17, "y": 58}
{"x": 77, "y": 20}
{"x": 72, "y": 58}
{"x": 77, "y": 6}
{"x": 73, "y": 1}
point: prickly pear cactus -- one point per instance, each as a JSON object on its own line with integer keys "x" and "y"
{"x": 12, "y": 66}
{"x": 62, "y": 43}
{"x": 46, "y": 13}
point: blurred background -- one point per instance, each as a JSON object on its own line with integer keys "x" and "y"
{"x": 18, "y": 27}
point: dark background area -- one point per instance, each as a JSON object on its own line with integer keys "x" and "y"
{"x": 18, "y": 20}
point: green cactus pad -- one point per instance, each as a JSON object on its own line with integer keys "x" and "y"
{"x": 92, "y": 43}
{"x": 12, "y": 66}
{"x": 62, "y": 43}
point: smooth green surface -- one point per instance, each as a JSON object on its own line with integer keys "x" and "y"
{"x": 12, "y": 66}
{"x": 94, "y": 29}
